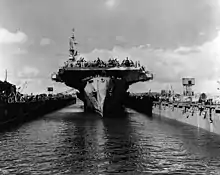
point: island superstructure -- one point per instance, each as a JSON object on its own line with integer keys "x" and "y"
{"x": 102, "y": 85}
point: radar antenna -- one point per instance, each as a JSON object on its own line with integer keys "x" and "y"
{"x": 72, "y": 44}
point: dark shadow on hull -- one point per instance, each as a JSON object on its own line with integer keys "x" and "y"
{"x": 140, "y": 104}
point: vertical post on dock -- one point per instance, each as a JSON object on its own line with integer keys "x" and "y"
{"x": 6, "y": 75}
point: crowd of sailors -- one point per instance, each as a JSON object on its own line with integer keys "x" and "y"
{"x": 9, "y": 94}
{"x": 202, "y": 99}
{"x": 176, "y": 98}
{"x": 112, "y": 62}
{"x": 18, "y": 97}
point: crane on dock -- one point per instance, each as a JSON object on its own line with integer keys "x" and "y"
{"x": 24, "y": 86}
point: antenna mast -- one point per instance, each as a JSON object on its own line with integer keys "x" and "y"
{"x": 72, "y": 44}
{"x": 6, "y": 75}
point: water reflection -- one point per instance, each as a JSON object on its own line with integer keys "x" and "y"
{"x": 80, "y": 149}
{"x": 120, "y": 148}
{"x": 70, "y": 142}
{"x": 97, "y": 145}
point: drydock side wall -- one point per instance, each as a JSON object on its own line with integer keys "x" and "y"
{"x": 12, "y": 114}
{"x": 205, "y": 117}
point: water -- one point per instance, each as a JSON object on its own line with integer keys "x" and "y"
{"x": 71, "y": 142}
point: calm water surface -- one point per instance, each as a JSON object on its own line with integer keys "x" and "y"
{"x": 71, "y": 142}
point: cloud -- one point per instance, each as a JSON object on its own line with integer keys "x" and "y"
{"x": 28, "y": 72}
{"x": 7, "y": 37}
{"x": 45, "y": 41}
{"x": 28, "y": 85}
{"x": 170, "y": 66}
{"x": 120, "y": 39}
{"x": 38, "y": 85}
{"x": 20, "y": 51}
{"x": 201, "y": 33}
{"x": 111, "y": 3}
{"x": 218, "y": 2}
{"x": 163, "y": 24}
{"x": 61, "y": 54}
{"x": 187, "y": 50}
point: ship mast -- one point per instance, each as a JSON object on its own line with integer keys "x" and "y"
{"x": 72, "y": 43}
{"x": 6, "y": 75}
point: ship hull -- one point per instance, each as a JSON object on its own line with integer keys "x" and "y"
{"x": 105, "y": 96}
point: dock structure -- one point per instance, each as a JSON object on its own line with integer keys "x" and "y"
{"x": 201, "y": 112}
{"x": 201, "y": 115}
{"x": 196, "y": 114}
{"x": 14, "y": 111}
{"x": 140, "y": 102}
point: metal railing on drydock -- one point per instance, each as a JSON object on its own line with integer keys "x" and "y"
{"x": 205, "y": 111}
{"x": 19, "y": 109}
{"x": 202, "y": 115}
{"x": 21, "y": 98}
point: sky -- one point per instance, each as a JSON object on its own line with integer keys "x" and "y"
{"x": 171, "y": 38}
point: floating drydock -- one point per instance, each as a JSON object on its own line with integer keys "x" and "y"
{"x": 201, "y": 113}
{"x": 202, "y": 116}
{"x": 102, "y": 85}
{"x": 19, "y": 112}
{"x": 15, "y": 108}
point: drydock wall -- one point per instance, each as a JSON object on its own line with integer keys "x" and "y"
{"x": 205, "y": 117}
{"x": 12, "y": 114}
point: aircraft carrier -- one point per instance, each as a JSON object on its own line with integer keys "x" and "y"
{"x": 102, "y": 86}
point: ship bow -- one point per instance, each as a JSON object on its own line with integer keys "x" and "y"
{"x": 95, "y": 92}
